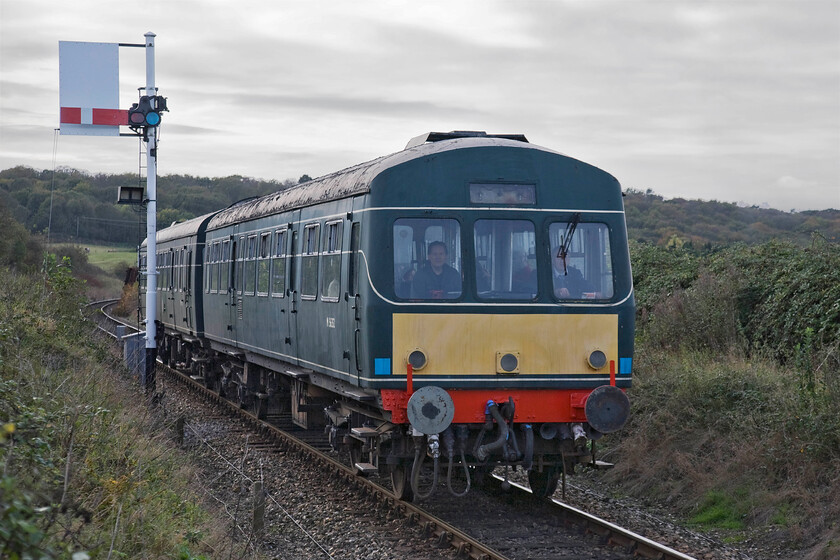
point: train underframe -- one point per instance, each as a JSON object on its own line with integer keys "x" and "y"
{"x": 460, "y": 457}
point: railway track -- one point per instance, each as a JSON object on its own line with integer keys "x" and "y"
{"x": 494, "y": 523}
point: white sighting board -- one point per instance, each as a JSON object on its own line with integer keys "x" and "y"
{"x": 88, "y": 88}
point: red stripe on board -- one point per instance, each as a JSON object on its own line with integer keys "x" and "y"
{"x": 102, "y": 117}
{"x": 111, "y": 117}
{"x": 71, "y": 115}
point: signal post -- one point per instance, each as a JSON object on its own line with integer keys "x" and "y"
{"x": 89, "y": 99}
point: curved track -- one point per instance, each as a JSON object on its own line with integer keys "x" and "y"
{"x": 489, "y": 524}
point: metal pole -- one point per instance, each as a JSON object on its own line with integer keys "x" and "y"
{"x": 151, "y": 227}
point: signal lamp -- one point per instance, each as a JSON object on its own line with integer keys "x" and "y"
{"x": 153, "y": 118}
{"x": 146, "y": 112}
{"x": 136, "y": 118}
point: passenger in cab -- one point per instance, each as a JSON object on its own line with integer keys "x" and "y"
{"x": 569, "y": 282}
{"x": 524, "y": 278}
{"x": 436, "y": 280}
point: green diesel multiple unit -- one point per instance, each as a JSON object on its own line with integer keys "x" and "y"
{"x": 468, "y": 299}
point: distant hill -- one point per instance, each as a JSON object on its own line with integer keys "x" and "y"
{"x": 83, "y": 208}
{"x": 678, "y": 222}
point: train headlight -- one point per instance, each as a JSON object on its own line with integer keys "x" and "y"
{"x": 597, "y": 359}
{"x": 507, "y": 362}
{"x": 417, "y": 359}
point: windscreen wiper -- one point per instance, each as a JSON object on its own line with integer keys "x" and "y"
{"x": 566, "y": 240}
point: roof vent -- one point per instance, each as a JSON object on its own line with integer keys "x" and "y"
{"x": 438, "y": 136}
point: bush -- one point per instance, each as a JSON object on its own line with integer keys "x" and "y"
{"x": 775, "y": 300}
{"x": 702, "y": 316}
{"x": 736, "y": 389}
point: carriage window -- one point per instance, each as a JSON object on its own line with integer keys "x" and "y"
{"x": 187, "y": 271}
{"x": 165, "y": 259}
{"x": 208, "y": 266}
{"x": 238, "y": 262}
{"x": 182, "y": 270}
{"x": 581, "y": 261}
{"x": 427, "y": 259}
{"x": 263, "y": 265}
{"x": 505, "y": 259}
{"x": 141, "y": 273}
{"x": 331, "y": 271}
{"x": 278, "y": 264}
{"x": 210, "y": 257}
{"x": 250, "y": 273}
{"x": 223, "y": 267}
{"x": 309, "y": 263}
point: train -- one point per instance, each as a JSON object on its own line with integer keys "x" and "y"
{"x": 459, "y": 305}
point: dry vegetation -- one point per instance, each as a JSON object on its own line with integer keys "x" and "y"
{"x": 88, "y": 469}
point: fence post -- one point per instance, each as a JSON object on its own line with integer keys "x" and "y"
{"x": 259, "y": 509}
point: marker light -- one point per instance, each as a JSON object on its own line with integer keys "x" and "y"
{"x": 597, "y": 359}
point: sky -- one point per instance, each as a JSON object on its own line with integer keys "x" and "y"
{"x": 736, "y": 101}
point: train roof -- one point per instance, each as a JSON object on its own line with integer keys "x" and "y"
{"x": 357, "y": 179}
{"x": 182, "y": 229}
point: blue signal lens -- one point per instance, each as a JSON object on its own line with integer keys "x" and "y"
{"x": 152, "y": 119}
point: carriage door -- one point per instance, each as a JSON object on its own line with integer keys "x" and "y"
{"x": 352, "y": 313}
{"x": 280, "y": 287}
{"x": 293, "y": 296}
{"x": 234, "y": 288}
{"x": 187, "y": 283}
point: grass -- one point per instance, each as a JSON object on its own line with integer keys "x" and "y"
{"x": 107, "y": 258}
{"x": 102, "y": 267}
{"x": 721, "y": 511}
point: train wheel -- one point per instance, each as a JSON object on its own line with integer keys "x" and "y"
{"x": 543, "y": 484}
{"x": 260, "y": 408}
{"x": 401, "y": 482}
{"x": 243, "y": 397}
{"x": 354, "y": 446}
{"x": 216, "y": 385}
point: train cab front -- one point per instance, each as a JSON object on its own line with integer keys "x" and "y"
{"x": 515, "y": 353}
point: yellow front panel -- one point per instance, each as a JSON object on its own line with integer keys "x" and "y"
{"x": 464, "y": 344}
